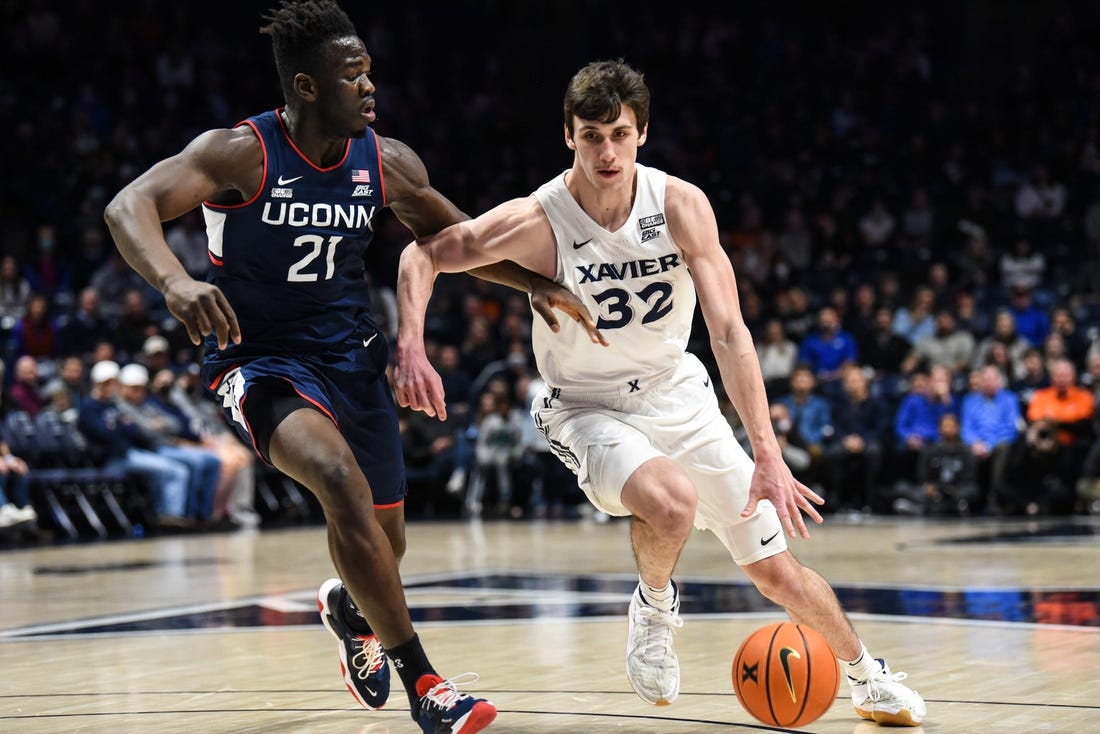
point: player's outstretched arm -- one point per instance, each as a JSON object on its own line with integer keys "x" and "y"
{"x": 427, "y": 212}
{"x": 516, "y": 230}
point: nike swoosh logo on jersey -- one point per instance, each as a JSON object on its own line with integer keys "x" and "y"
{"x": 706, "y": 382}
{"x": 366, "y": 342}
{"x": 579, "y": 245}
{"x": 283, "y": 182}
{"x": 765, "y": 542}
{"x": 371, "y": 691}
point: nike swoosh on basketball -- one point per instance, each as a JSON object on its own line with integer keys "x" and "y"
{"x": 287, "y": 181}
{"x": 785, "y": 653}
{"x": 366, "y": 342}
{"x": 579, "y": 245}
{"x": 765, "y": 542}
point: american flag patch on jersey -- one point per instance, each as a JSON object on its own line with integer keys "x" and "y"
{"x": 360, "y": 176}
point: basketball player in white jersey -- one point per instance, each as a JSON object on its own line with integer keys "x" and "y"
{"x": 638, "y": 420}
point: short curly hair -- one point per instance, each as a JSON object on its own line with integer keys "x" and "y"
{"x": 298, "y": 29}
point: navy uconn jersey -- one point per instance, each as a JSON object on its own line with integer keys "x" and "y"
{"x": 291, "y": 259}
{"x": 634, "y": 282}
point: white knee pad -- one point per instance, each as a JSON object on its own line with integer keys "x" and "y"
{"x": 755, "y": 538}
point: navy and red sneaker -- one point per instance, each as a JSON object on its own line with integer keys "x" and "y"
{"x": 362, "y": 659}
{"x": 442, "y": 709}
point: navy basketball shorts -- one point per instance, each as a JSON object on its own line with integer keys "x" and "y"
{"x": 349, "y": 386}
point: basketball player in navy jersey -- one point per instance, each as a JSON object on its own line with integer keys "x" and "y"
{"x": 292, "y": 352}
{"x": 638, "y": 421}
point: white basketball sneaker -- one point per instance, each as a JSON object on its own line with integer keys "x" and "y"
{"x": 885, "y": 700}
{"x": 651, "y": 664}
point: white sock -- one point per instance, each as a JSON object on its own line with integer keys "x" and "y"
{"x": 663, "y": 599}
{"x": 862, "y": 668}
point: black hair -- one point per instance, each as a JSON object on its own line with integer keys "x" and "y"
{"x": 599, "y": 91}
{"x": 298, "y": 28}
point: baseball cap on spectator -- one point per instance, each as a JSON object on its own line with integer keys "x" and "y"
{"x": 103, "y": 371}
{"x": 133, "y": 374}
{"x": 154, "y": 345}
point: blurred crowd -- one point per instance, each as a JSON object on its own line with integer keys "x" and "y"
{"x": 910, "y": 197}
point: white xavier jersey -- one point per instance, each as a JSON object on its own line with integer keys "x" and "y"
{"x": 635, "y": 284}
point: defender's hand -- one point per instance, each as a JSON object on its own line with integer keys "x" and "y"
{"x": 547, "y": 295}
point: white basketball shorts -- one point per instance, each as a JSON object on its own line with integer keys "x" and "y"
{"x": 604, "y": 438}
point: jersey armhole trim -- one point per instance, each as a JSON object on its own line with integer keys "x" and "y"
{"x": 263, "y": 175}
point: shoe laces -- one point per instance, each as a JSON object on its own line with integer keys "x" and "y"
{"x": 369, "y": 658}
{"x": 881, "y": 685}
{"x": 659, "y": 628}
{"x": 445, "y": 694}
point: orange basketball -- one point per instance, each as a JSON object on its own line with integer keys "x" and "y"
{"x": 786, "y": 674}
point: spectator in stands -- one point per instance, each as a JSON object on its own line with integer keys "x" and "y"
{"x": 45, "y": 272}
{"x": 1068, "y": 408}
{"x": 435, "y": 453}
{"x": 239, "y": 461}
{"x": 15, "y": 291}
{"x": 946, "y": 475}
{"x": 877, "y": 225}
{"x": 990, "y": 422}
{"x": 499, "y": 434}
{"x": 1032, "y": 322}
{"x": 861, "y": 422}
{"x": 172, "y": 438}
{"x": 123, "y": 445}
{"x": 25, "y": 392}
{"x": 829, "y": 349}
{"x": 35, "y": 334}
{"x": 918, "y": 221}
{"x": 479, "y": 348}
{"x": 859, "y": 320}
{"x": 916, "y": 321}
{"x": 111, "y": 282}
{"x": 236, "y": 461}
{"x": 135, "y": 324}
{"x": 794, "y": 242}
{"x": 884, "y": 350}
{"x": 778, "y": 356}
{"x": 1040, "y": 198}
{"x": 939, "y": 280}
{"x": 15, "y": 508}
{"x": 1022, "y": 267}
{"x": 78, "y": 332}
{"x": 970, "y": 317}
{"x": 1076, "y": 342}
{"x": 796, "y": 312}
{"x": 811, "y": 413}
{"x": 917, "y": 420}
{"x": 949, "y": 346}
{"x": 154, "y": 354}
{"x": 1034, "y": 377}
{"x": 69, "y": 379}
{"x": 1004, "y": 333}
{"x": 456, "y": 381}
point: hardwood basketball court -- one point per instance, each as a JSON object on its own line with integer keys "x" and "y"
{"x": 996, "y": 622}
